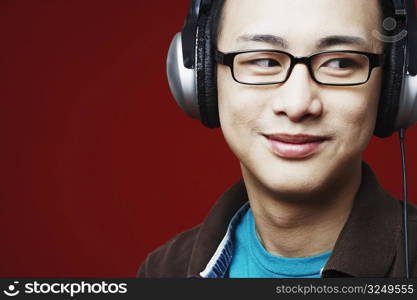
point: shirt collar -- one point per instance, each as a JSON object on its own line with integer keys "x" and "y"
{"x": 214, "y": 228}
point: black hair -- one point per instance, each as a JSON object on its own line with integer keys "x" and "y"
{"x": 217, "y": 19}
{"x": 388, "y": 11}
{"x": 387, "y": 8}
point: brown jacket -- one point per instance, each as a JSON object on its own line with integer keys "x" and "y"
{"x": 370, "y": 244}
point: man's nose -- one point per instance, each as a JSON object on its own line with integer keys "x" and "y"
{"x": 297, "y": 98}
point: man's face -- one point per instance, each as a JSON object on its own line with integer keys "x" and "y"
{"x": 265, "y": 126}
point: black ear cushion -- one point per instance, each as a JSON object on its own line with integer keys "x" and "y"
{"x": 391, "y": 89}
{"x": 206, "y": 74}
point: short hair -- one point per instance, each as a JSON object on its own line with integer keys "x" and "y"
{"x": 217, "y": 19}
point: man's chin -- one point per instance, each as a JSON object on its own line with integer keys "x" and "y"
{"x": 303, "y": 183}
{"x": 295, "y": 190}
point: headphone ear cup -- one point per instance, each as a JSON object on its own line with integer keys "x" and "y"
{"x": 407, "y": 111}
{"x": 182, "y": 81}
{"x": 392, "y": 81}
{"x": 206, "y": 69}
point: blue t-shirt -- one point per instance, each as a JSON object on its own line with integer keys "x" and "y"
{"x": 251, "y": 260}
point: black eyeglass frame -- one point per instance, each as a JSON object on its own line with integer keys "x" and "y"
{"x": 227, "y": 59}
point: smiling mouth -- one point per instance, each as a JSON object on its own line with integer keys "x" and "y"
{"x": 295, "y": 146}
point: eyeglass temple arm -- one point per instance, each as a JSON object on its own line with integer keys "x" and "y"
{"x": 381, "y": 59}
{"x": 219, "y": 56}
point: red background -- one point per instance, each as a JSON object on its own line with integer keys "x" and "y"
{"x": 98, "y": 164}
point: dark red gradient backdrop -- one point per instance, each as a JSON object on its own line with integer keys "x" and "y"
{"x": 98, "y": 164}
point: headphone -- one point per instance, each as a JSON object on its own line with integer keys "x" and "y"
{"x": 192, "y": 72}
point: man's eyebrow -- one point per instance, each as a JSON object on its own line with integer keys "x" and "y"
{"x": 264, "y": 38}
{"x": 335, "y": 40}
{"x": 325, "y": 42}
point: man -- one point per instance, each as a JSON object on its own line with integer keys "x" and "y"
{"x": 299, "y": 85}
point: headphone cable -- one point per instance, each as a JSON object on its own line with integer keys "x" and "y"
{"x": 405, "y": 202}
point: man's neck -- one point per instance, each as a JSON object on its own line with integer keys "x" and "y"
{"x": 302, "y": 225}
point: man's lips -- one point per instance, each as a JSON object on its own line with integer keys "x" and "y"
{"x": 295, "y": 146}
{"x": 295, "y": 139}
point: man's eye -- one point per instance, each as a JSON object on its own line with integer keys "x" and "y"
{"x": 265, "y": 62}
{"x": 340, "y": 63}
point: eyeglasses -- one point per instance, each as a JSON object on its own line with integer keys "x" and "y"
{"x": 267, "y": 67}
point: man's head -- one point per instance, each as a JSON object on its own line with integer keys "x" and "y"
{"x": 334, "y": 123}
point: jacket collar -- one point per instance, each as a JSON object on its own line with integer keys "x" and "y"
{"x": 365, "y": 248}
{"x": 215, "y": 227}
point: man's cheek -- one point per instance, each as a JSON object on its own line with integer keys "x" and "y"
{"x": 241, "y": 118}
{"x": 354, "y": 117}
